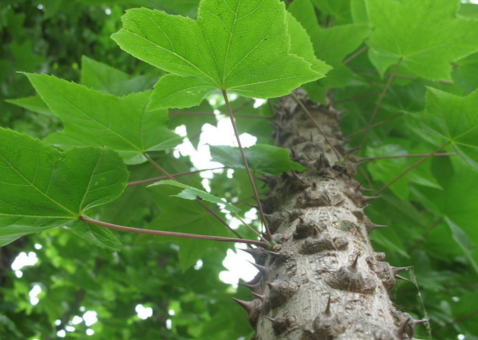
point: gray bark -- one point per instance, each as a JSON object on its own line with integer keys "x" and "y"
{"x": 322, "y": 280}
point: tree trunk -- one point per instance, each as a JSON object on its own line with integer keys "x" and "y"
{"x": 322, "y": 280}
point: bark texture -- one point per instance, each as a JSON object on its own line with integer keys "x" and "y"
{"x": 322, "y": 280}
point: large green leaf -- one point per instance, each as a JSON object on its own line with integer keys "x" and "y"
{"x": 191, "y": 193}
{"x": 43, "y": 188}
{"x": 34, "y": 104}
{"x": 452, "y": 119}
{"x": 240, "y": 46}
{"x": 264, "y": 158}
{"x": 94, "y": 118}
{"x": 426, "y": 35}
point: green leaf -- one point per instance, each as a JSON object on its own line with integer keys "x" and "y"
{"x": 453, "y": 119}
{"x": 34, "y": 104}
{"x": 186, "y": 217}
{"x": 191, "y": 193}
{"x": 464, "y": 242}
{"x": 301, "y": 44}
{"x": 99, "y": 236}
{"x": 264, "y": 158}
{"x": 43, "y": 188}
{"x": 107, "y": 79}
{"x": 94, "y": 118}
{"x": 338, "y": 10}
{"x": 426, "y": 35}
{"x": 331, "y": 45}
{"x": 239, "y": 46}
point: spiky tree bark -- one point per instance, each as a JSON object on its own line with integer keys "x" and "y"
{"x": 323, "y": 279}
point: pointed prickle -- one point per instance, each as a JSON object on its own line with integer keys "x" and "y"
{"x": 252, "y": 287}
{"x": 372, "y": 226}
{"x": 259, "y": 296}
{"x": 397, "y": 270}
{"x": 353, "y": 266}
{"x": 322, "y": 163}
{"x": 263, "y": 270}
{"x": 402, "y": 278}
{"x": 401, "y": 330}
{"x": 301, "y": 219}
{"x": 369, "y": 198}
{"x": 272, "y": 285}
{"x": 419, "y": 322}
{"x": 327, "y": 310}
{"x": 253, "y": 252}
{"x": 247, "y": 305}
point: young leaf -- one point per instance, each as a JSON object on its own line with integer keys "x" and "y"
{"x": 240, "y": 46}
{"x": 94, "y": 118}
{"x": 191, "y": 193}
{"x": 426, "y": 35}
{"x": 43, "y": 188}
{"x": 264, "y": 158}
{"x": 453, "y": 119}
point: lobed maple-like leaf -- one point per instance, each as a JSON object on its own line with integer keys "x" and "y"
{"x": 453, "y": 119}
{"x": 425, "y": 35}
{"x": 43, "y": 188}
{"x": 98, "y": 119}
{"x": 234, "y": 45}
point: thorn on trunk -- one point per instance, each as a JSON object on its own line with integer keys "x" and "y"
{"x": 263, "y": 298}
{"x": 402, "y": 278}
{"x": 327, "y": 311}
{"x": 252, "y": 287}
{"x": 247, "y": 305}
{"x": 397, "y": 270}
{"x": 369, "y": 198}
{"x": 353, "y": 267}
{"x": 263, "y": 270}
{"x": 401, "y": 330}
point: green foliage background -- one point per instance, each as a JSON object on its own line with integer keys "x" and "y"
{"x": 432, "y": 212}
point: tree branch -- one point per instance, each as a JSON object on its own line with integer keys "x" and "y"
{"x": 410, "y": 168}
{"x": 216, "y": 216}
{"x": 190, "y": 113}
{"x": 375, "y": 125}
{"x": 180, "y": 174}
{"x": 379, "y": 102}
{"x": 447, "y": 154}
{"x": 355, "y": 55}
{"x": 171, "y": 233}
{"x": 246, "y": 165}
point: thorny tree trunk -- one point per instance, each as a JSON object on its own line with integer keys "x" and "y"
{"x": 323, "y": 280}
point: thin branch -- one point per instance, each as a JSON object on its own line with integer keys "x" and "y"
{"x": 250, "y": 228}
{"x": 302, "y": 106}
{"x": 410, "y": 168}
{"x": 458, "y": 320}
{"x": 422, "y": 239}
{"x": 375, "y": 125}
{"x": 171, "y": 233}
{"x": 190, "y": 113}
{"x": 402, "y": 76}
{"x": 379, "y": 102}
{"x": 355, "y": 55}
{"x": 216, "y": 216}
{"x": 179, "y": 174}
{"x": 359, "y": 96}
{"x": 447, "y": 154}
{"x": 246, "y": 165}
